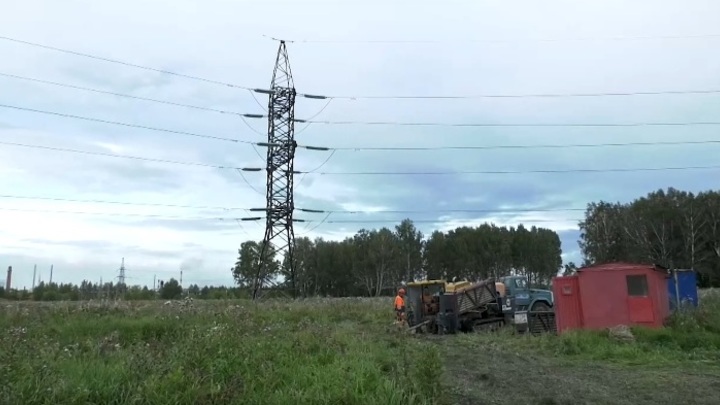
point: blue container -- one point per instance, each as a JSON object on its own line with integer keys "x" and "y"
{"x": 687, "y": 283}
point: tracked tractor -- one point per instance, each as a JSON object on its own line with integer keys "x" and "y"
{"x": 438, "y": 306}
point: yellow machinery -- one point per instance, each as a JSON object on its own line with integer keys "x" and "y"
{"x": 439, "y": 306}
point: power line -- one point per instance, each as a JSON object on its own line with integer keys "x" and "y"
{"x": 304, "y": 210}
{"x": 432, "y": 221}
{"x": 252, "y": 115}
{"x": 444, "y": 210}
{"x": 117, "y": 214}
{"x": 59, "y": 199}
{"x": 101, "y": 58}
{"x": 395, "y": 148}
{"x": 538, "y": 146}
{"x": 84, "y": 152}
{"x": 448, "y": 124}
{"x": 93, "y": 90}
{"x": 505, "y": 40}
{"x": 68, "y": 150}
{"x": 188, "y": 218}
{"x": 357, "y": 97}
{"x": 518, "y": 96}
{"x": 125, "y": 124}
{"x": 257, "y": 169}
{"x": 523, "y": 171}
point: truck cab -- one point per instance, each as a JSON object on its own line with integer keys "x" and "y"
{"x": 518, "y": 296}
{"x": 530, "y": 308}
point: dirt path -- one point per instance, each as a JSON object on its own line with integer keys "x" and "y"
{"x": 496, "y": 376}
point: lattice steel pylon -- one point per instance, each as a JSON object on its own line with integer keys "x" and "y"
{"x": 279, "y": 233}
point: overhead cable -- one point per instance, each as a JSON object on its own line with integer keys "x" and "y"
{"x": 245, "y": 219}
{"x": 153, "y": 100}
{"x": 544, "y": 171}
{"x": 259, "y": 169}
{"x": 526, "y": 146}
{"x": 489, "y": 125}
{"x": 101, "y": 58}
{"x": 125, "y": 124}
{"x": 437, "y": 210}
{"x": 499, "y": 40}
{"x": 304, "y": 210}
{"x": 104, "y": 154}
{"x": 119, "y": 214}
{"x": 433, "y": 221}
{"x": 519, "y": 96}
{"x": 129, "y": 203}
{"x": 388, "y": 148}
{"x": 351, "y": 97}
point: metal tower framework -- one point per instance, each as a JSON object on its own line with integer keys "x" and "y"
{"x": 122, "y": 287}
{"x": 121, "y": 273}
{"x": 279, "y": 207}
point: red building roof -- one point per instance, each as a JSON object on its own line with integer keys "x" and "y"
{"x": 622, "y": 266}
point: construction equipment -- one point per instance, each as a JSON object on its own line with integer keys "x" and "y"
{"x": 438, "y": 306}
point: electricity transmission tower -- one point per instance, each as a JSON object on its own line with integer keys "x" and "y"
{"x": 279, "y": 206}
{"x": 121, "y": 277}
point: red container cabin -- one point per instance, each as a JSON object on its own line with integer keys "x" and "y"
{"x": 607, "y": 295}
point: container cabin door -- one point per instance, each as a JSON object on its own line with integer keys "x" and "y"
{"x": 640, "y": 305}
{"x": 568, "y": 311}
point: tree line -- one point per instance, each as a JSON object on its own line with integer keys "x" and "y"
{"x": 87, "y": 290}
{"x": 669, "y": 227}
{"x": 375, "y": 262}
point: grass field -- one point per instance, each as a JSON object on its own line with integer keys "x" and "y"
{"x": 335, "y": 351}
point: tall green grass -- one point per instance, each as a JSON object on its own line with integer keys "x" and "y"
{"x": 691, "y": 335}
{"x": 335, "y": 351}
{"x": 314, "y": 352}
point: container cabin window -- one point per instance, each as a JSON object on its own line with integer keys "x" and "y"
{"x": 637, "y": 286}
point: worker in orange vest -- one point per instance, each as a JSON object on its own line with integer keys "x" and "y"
{"x": 400, "y": 305}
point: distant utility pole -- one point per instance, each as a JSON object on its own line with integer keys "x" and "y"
{"x": 121, "y": 272}
{"x": 51, "y": 272}
{"x": 34, "y": 273}
{"x": 8, "y": 281}
{"x": 121, "y": 277}
{"x": 280, "y": 155}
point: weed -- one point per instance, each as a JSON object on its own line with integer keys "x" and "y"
{"x": 311, "y": 351}
{"x": 335, "y": 351}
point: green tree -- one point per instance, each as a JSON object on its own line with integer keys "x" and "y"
{"x": 569, "y": 269}
{"x": 669, "y": 227}
{"x": 410, "y": 241}
{"x": 248, "y": 263}
{"x": 171, "y": 290}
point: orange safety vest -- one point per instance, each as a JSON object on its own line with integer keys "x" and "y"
{"x": 399, "y": 303}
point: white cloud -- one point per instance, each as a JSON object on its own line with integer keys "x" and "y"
{"x": 554, "y": 221}
{"x": 223, "y": 40}
{"x": 351, "y": 206}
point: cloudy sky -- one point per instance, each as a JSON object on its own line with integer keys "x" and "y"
{"x": 347, "y": 49}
